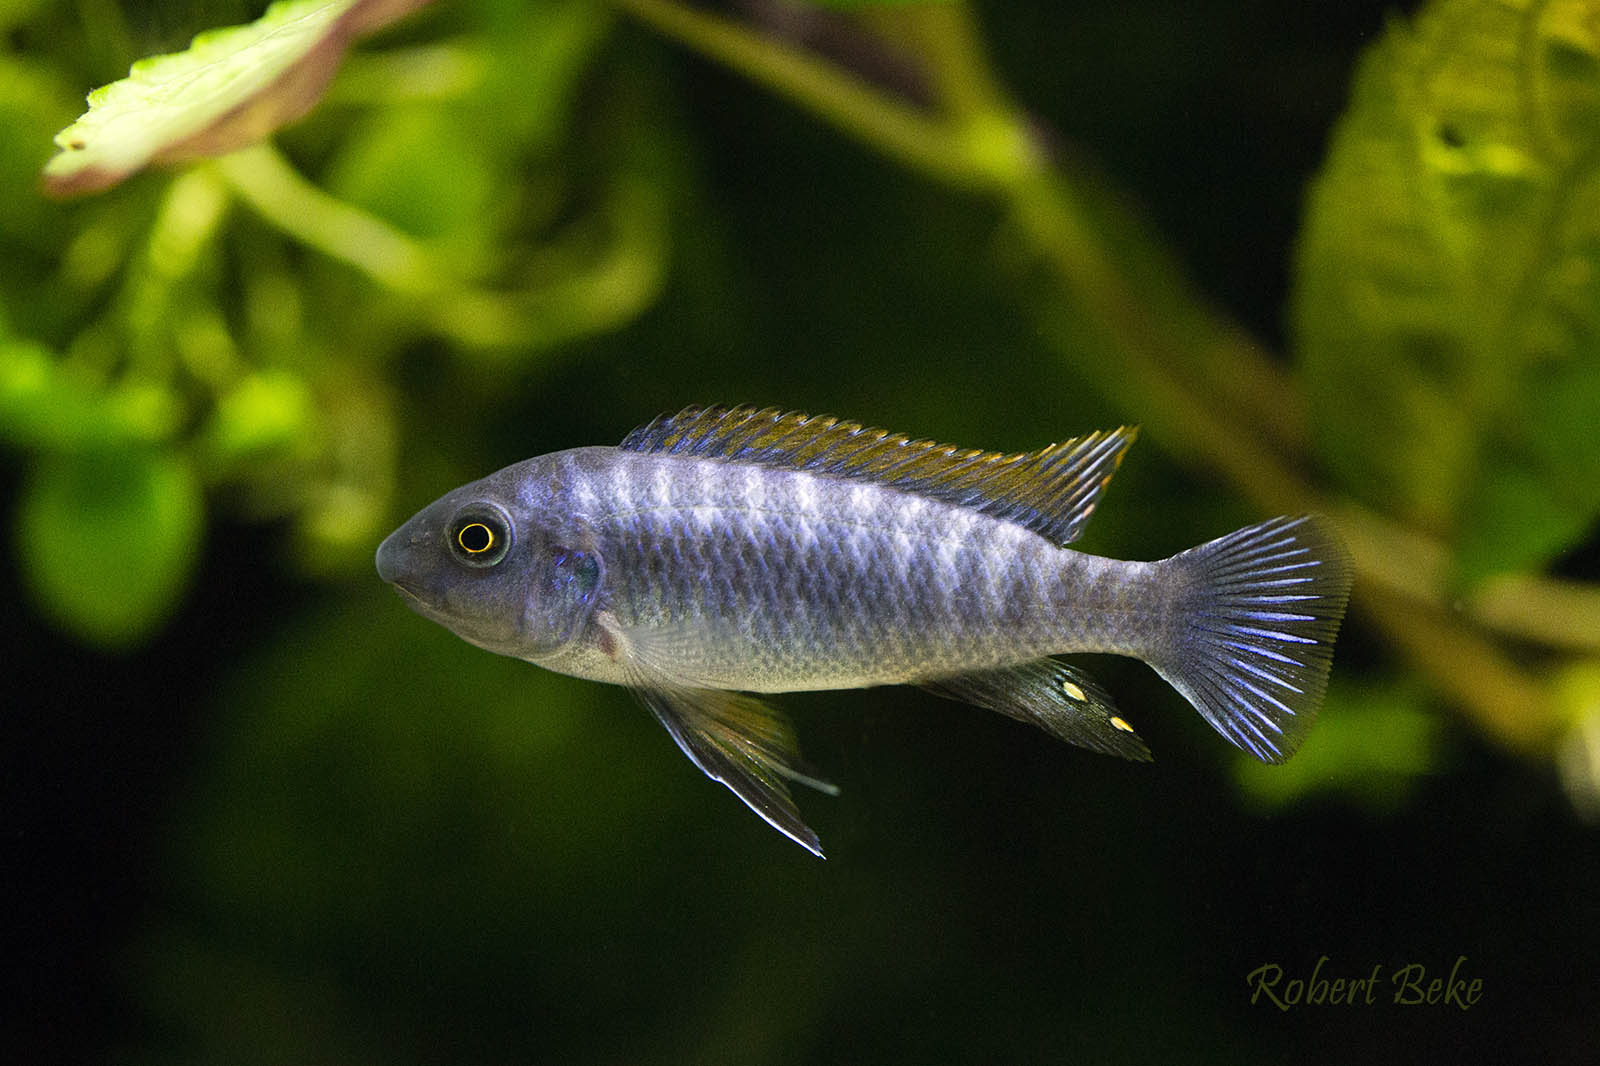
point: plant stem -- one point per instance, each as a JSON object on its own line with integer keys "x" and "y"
{"x": 263, "y": 178}
{"x": 1504, "y": 700}
{"x": 600, "y": 293}
{"x": 919, "y": 140}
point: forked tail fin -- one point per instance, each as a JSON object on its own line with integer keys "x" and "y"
{"x": 1253, "y": 628}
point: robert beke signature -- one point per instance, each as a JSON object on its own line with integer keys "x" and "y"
{"x": 1411, "y": 985}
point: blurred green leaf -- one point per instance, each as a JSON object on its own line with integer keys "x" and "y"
{"x": 346, "y": 510}
{"x": 15, "y": 11}
{"x": 108, "y": 538}
{"x": 45, "y": 405}
{"x": 419, "y": 169}
{"x": 233, "y": 87}
{"x": 535, "y": 74}
{"x": 267, "y": 412}
{"x": 1448, "y": 291}
{"x": 32, "y": 95}
{"x": 1576, "y": 691}
{"x": 1371, "y": 744}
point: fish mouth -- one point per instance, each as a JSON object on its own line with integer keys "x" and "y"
{"x": 396, "y": 558}
{"x": 406, "y": 594}
{"x": 427, "y": 608}
{"x": 413, "y": 599}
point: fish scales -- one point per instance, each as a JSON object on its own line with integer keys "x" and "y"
{"x": 725, "y": 551}
{"x": 784, "y": 580}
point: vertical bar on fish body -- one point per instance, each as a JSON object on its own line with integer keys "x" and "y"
{"x": 777, "y": 580}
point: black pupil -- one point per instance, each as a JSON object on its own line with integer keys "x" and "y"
{"x": 475, "y": 538}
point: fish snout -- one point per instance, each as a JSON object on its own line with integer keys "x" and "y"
{"x": 396, "y": 556}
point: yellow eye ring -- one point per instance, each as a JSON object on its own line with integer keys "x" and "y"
{"x": 480, "y": 535}
{"x": 476, "y": 538}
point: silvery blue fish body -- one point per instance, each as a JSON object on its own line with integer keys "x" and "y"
{"x": 720, "y": 552}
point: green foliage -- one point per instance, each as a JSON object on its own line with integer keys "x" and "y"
{"x": 166, "y": 321}
{"x": 264, "y": 414}
{"x": 419, "y": 169}
{"x": 1340, "y": 759}
{"x": 108, "y": 538}
{"x": 45, "y": 406}
{"x": 1576, "y": 695}
{"x": 109, "y": 524}
{"x": 230, "y": 88}
{"x": 1448, "y": 299}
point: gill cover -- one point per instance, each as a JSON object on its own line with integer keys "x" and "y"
{"x": 565, "y": 591}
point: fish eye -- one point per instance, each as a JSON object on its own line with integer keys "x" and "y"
{"x": 475, "y": 538}
{"x": 480, "y": 535}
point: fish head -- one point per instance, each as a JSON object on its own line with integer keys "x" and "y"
{"x": 492, "y": 562}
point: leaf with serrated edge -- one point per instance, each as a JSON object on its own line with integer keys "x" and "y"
{"x": 233, "y": 87}
{"x": 1446, "y": 298}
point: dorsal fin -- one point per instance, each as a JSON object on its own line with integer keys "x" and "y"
{"x": 1051, "y": 491}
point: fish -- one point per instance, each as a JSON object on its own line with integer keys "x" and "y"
{"x": 721, "y": 554}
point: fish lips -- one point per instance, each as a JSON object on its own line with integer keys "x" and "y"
{"x": 392, "y": 559}
{"x": 399, "y": 559}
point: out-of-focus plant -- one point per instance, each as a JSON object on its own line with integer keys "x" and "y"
{"x": 217, "y": 337}
{"x": 1441, "y": 400}
{"x": 232, "y": 88}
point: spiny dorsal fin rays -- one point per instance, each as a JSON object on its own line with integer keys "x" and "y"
{"x": 1051, "y": 491}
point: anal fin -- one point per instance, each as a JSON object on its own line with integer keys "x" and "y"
{"x": 1060, "y": 699}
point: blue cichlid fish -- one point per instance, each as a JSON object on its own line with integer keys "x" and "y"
{"x": 719, "y": 552}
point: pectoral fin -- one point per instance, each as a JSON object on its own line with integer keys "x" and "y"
{"x": 744, "y": 743}
{"x": 1063, "y": 701}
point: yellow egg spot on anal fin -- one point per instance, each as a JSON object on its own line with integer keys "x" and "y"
{"x": 1073, "y": 692}
{"x": 1120, "y": 724}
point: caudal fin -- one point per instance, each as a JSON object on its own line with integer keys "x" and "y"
{"x": 1258, "y": 611}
